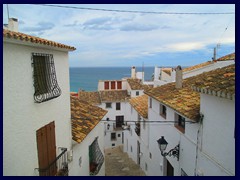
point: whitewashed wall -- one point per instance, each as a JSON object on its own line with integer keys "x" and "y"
{"x": 111, "y": 114}
{"x": 173, "y": 136}
{"x": 22, "y": 117}
{"x": 81, "y": 151}
{"x": 101, "y": 84}
{"x": 218, "y": 142}
{"x": 218, "y": 64}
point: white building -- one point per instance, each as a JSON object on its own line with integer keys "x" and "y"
{"x": 165, "y": 75}
{"x": 36, "y": 105}
{"x": 136, "y": 142}
{"x": 88, "y": 139}
{"x": 197, "y": 126}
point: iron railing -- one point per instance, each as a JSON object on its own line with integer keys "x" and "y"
{"x": 59, "y": 167}
{"x": 137, "y": 128}
{"x": 117, "y": 128}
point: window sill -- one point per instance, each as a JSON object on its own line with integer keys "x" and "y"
{"x": 181, "y": 129}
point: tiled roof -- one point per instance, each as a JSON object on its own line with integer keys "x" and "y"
{"x": 227, "y": 57}
{"x": 90, "y": 97}
{"x": 186, "y": 101}
{"x": 32, "y": 39}
{"x": 135, "y": 84}
{"x": 167, "y": 71}
{"x": 140, "y": 104}
{"x": 84, "y": 117}
{"x": 114, "y": 95}
{"x": 220, "y": 82}
{"x": 198, "y": 66}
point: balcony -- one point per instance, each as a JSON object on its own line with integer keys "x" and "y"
{"x": 59, "y": 167}
{"x": 117, "y": 127}
{"x": 137, "y": 128}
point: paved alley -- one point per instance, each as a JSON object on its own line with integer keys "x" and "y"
{"x": 117, "y": 163}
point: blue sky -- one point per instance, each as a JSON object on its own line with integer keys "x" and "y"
{"x": 105, "y": 38}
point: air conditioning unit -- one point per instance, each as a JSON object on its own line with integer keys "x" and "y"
{"x": 70, "y": 155}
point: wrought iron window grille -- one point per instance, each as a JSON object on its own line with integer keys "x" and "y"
{"x": 59, "y": 167}
{"x": 96, "y": 158}
{"x": 44, "y": 76}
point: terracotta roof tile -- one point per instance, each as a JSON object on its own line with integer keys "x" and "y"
{"x": 227, "y": 57}
{"x": 167, "y": 71}
{"x": 84, "y": 117}
{"x": 140, "y": 104}
{"x": 135, "y": 84}
{"x": 90, "y": 97}
{"x": 220, "y": 82}
{"x": 114, "y": 95}
{"x": 36, "y": 40}
{"x": 185, "y": 100}
{"x": 198, "y": 66}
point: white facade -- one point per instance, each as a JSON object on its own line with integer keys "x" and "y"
{"x": 111, "y": 115}
{"x": 217, "y": 149}
{"x": 136, "y": 146}
{"x": 101, "y": 84}
{"x": 165, "y": 78}
{"x": 80, "y": 164}
{"x": 22, "y": 117}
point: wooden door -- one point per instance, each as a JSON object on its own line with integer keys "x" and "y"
{"x": 46, "y": 146}
{"x": 113, "y": 85}
{"x": 170, "y": 170}
{"x": 119, "y": 121}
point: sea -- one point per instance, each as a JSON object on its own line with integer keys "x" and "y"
{"x": 86, "y": 78}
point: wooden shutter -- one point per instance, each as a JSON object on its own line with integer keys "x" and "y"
{"x": 106, "y": 85}
{"x": 46, "y": 145}
{"x": 113, "y": 85}
{"x": 119, "y": 85}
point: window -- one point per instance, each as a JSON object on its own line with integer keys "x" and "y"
{"x": 119, "y": 85}
{"x": 163, "y": 111}
{"x": 150, "y": 155}
{"x": 113, "y": 144}
{"x": 119, "y": 135}
{"x": 137, "y": 93}
{"x": 108, "y": 105}
{"x": 113, "y": 85}
{"x": 180, "y": 123}
{"x": 96, "y": 158}
{"x": 113, "y": 136}
{"x": 118, "y": 106}
{"x": 44, "y": 76}
{"x": 150, "y": 103}
{"x": 119, "y": 121}
{"x": 146, "y": 167}
{"x": 106, "y": 85}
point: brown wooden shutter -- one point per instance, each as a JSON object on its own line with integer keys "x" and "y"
{"x": 119, "y": 85}
{"x": 46, "y": 145}
{"x": 113, "y": 85}
{"x": 106, "y": 85}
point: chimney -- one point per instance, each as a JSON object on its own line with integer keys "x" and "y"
{"x": 178, "y": 83}
{"x": 133, "y": 72}
{"x": 13, "y": 24}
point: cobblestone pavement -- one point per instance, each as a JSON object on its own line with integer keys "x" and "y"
{"x": 117, "y": 163}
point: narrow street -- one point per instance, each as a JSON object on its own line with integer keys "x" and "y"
{"x": 117, "y": 163}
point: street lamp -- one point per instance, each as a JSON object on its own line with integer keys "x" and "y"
{"x": 162, "y": 144}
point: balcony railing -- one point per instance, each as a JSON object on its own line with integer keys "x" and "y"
{"x": 59, "y": 167}
{"x": 137, "y": 128}
{"x": 117, "y": 128}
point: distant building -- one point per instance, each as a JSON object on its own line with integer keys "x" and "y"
{"x": 36, "y": 105}
{"x": 165, "y": 75}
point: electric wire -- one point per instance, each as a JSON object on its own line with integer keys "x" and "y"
{"x": 131, "y": 11}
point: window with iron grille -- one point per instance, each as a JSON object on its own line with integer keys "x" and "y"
{"x": 96, "y": 158}
{"x": 118, "y": 106}
{"x": 179, "y": 123}
{"x": 113, "y": 137}
{"x": 108, "y": 105}
{"x": 44, "y": 76}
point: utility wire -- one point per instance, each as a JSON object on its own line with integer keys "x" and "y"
{"x": 128, "y": 11}
{"x": 126, "y": 121}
